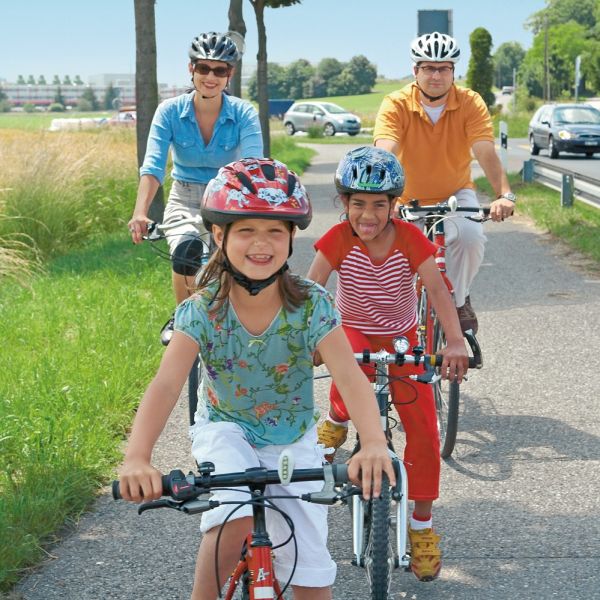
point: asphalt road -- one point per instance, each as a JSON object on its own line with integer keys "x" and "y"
{"x": 519, "y": 510}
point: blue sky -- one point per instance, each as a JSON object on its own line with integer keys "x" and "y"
{"x": 77, "y": 37}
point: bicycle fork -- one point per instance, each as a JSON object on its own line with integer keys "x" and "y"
{"x": 398, "y": 522}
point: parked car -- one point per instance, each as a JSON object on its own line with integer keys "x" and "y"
{"x": 126, "y": 117}
{"x": 507, "y": 89}
{"x": 331, "y": 117}
{"x": 565, "y": 128}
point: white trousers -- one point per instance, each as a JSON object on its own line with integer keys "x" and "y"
{"x": 225, "y": 445}
{"x": 465, "y": 242}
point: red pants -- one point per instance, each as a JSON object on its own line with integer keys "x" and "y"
{"x": 416, "y": 408}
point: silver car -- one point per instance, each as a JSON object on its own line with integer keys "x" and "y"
{"x": 331, "y": 117}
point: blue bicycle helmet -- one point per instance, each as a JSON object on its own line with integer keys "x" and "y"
{"x": 370, "y": 170}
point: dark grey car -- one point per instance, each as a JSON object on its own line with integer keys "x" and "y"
{"x": 565, "y": 128}
{"x": 331, "y": 117}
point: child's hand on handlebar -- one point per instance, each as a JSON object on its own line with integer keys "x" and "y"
{"x": 366, "y": 467}
{"x": 138, "y": 226}
{"x": 456, "y": 361}
{"x": 140, "y": 481}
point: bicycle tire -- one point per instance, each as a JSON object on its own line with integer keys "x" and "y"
{"x": 446, "y": 395}
{"x": 378, "y": 556}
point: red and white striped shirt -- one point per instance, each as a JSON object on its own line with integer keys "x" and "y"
{"x": 376, "y": 298}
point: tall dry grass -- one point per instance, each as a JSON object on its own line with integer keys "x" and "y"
{"x": 58, "y": 189}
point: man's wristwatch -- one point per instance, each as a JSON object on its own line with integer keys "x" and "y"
{"x": 508, "y": 196}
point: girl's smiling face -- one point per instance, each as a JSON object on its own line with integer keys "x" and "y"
{"x": 368, "y": 213}
{"x": 256, "y": 247}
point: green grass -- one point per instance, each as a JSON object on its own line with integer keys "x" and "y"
{"x": 297, "y": 158}
{"x": 77, "y": 351}
{"x": 578, "y": 226}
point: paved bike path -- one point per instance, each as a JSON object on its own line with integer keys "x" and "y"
{"x": 519, "y": 510}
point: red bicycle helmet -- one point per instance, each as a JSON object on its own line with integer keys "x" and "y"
{"x": 255, "y": 188}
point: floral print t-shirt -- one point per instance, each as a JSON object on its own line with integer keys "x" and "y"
{"x": 264, "y": 383}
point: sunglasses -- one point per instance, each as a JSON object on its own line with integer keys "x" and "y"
{"x": 203, "y": 69}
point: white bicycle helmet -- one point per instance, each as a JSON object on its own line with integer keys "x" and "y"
{"x": 435, "y": 47}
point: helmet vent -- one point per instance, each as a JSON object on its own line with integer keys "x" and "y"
{"x": 269, "y": 171}
{"x": 246, "y": 181}
{"x": 291, "y": 185}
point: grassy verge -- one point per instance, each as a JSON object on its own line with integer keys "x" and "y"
{"x": 577, "y": 226}
{"x": 77, "y": 350}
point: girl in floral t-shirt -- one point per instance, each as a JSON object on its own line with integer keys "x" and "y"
{"x": 256, "y": 327}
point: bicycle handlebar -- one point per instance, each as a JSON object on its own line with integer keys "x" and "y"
{"x": 441, "y": 209}
{"x": 156, "y": 231}
{"x": 182, "y": 488}
{"x": 398, "y": 358}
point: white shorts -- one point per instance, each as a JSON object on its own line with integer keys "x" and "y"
{"x": 225, "y": 445}
{"x": 184, "y": 202}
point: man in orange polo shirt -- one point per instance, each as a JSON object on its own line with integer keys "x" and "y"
{"x": 433, "y": 126}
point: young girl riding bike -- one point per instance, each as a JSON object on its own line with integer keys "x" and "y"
{"x": 256, "y": 328}
{"x": 376, "y": 257}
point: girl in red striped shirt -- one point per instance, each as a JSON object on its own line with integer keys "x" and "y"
{"x": 376, "y": 258}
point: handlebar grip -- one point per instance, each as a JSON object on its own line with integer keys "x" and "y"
{"x": 436, "y": 361}
{"x": 166, "y": 487}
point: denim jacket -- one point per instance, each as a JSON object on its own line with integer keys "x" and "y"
{"x": 236, "y": 135}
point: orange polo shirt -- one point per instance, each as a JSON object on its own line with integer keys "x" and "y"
{"x": 436, "y": 158}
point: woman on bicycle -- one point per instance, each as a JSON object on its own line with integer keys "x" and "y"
{"x": 205, "y": 129}
{"x": 376, "y": 257}
{"x": 256, "y": 327}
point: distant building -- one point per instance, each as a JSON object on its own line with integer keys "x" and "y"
{"x": 43, "y": 95}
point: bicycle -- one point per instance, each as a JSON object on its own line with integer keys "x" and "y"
{"x": 253, "y": 577}
{"x": 157, "y": 232}
{"x": 374, "y": 549}
{"x": 429, "y": 329}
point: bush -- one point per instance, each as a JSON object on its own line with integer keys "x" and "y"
{"x": 56, "y": 107}
{"x": 5, "y": 106}
{"x": 315, "y": 131}
{"x": 29, "y": 107}
{"x": 84, "y": 105}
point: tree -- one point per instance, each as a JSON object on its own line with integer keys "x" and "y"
{"x": 237, "y": 24}
{"x": 55, "y": 80}
{"x": 299, "y": 75}
{"x": 41, "y": 80}
{"x": 481, "y": 71}
{"x": 78, "y": 81}
{"x": 509, "y": 56}
{"x": 67, "y": 80}
{"x": 146, "y": 87}
{"x": 362, "y": 73}
{"x": 20, "y": 80}
{"x": 31, "y": 80}
{"x": 261, "y": 66}
{"x": 58, "y": 97}
{"x": 277, "y": 86}
{"x": 110, "y": 95}
{"x": 90, "y": 96}
{"x": 558, "y": 12}
{"x": 327, "y": 70}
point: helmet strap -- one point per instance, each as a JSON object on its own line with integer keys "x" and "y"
{"x": 431, "y": 98}
{"x": 252, "y": 286}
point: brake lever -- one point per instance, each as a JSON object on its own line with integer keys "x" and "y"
{"x": 162, "y": 503}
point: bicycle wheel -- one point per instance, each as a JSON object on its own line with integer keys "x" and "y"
{"x": 446, "y": 395}
{"x": 379, "y": 552}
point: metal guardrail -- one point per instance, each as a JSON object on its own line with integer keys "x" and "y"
{"x": 570, "y": 185}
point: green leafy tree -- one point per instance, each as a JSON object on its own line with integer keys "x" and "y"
{"x": 261, "y": 65}
{"x": 558, "y": 12}
{"x": 590, "y": 65}
{"x": 84, "y": 105}
{"x": 509, "y": 56}
{"x": 56, "y": 80}
{"x": 326, "y": 71}
{"x": 28, "y": 107}
{"x": 90, "y": 96}
{"x": 78, "y": 80}
{"x": 31, "y": 80}
{"x": 362, "y": 73}
{"x": 41, "y": 80}
{"x": 67, "y": 80}
{"x": 481, "y": 71}
{"x": 20, "y": 80}
{"x": 565, "y": 43}
{"x": 299, "y": 76}
{"x": 58, "y": 97}
{"x": 277, "y": 83}
{"x": 109, "y": 96}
